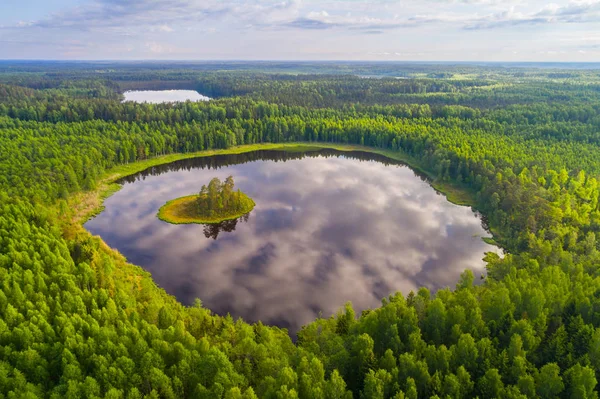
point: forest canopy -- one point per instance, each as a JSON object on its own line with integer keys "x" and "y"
{"x": 522, "y": 144}
{"x": 216, "y": 203}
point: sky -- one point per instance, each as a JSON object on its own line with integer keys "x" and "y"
{"x": 379, "y": 30}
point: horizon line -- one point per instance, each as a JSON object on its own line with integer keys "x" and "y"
{"x": 291, "y": 60}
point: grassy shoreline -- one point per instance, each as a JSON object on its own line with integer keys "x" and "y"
{"x": 86, "y": 205}
{"x": 176, "y": 211}
{"x": 82, "y": 206}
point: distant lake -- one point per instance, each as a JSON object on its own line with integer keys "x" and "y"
{"x": 163, "y": 96}
{"x": 328, "y": 227}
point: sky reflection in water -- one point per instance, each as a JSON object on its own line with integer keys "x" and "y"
{"x": 163, "y": 96}
{"x": 325, "y": 230}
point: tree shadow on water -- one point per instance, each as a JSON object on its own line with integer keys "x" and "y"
{"x": 213, "y": 230}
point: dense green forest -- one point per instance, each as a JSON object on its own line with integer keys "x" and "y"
{"x": 523, "y": 144}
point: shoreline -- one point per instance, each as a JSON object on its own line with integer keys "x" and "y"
{"x": 166, "y": 212}
{"x": 87, "y": 204}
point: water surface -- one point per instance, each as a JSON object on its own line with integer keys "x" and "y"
{"x": 163, "y": 96}
{"x": 327, "y": 228}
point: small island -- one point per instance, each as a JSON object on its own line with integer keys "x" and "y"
{"x": 216, "y": 203}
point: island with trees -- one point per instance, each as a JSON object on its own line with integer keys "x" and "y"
{"x": 216, "y": 203}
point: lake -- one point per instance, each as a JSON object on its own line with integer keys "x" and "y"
{"x": 163, "y": 96}
{"x": 328, "y": 227}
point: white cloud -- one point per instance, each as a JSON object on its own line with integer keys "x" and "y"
{"x": 326, "y": 28}
{"x": 318, "y": 15}
{"x": 156, "y": 47}
{"x": 165, "y": 28}
{"x": 22, "y": 24}
{"x": 101, "y": 14}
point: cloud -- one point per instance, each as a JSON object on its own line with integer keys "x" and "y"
{"x": 266, "y": 28}
{"x": 156, "y": 47}
{"x": 320, "y": 14}
{"x": 308, "y": 23}
{"x": 573, "y": 12}
{"x": 165, "y": 28}
{"x": 102, "y": 14}
{"x": 23, "y": 24}
{"x": 324, "y": 20}
{"x": 125, "y": 16}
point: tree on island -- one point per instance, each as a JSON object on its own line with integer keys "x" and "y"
{"x": 215, "y": 203}
{"x": 220, "y": 199}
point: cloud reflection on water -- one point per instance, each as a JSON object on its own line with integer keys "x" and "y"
{"x": 324, "y": 231}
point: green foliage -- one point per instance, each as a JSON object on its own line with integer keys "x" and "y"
{"x": 77, "y": 321}
{"x": 220, "y": 200}
{"x": 216, "y": 203}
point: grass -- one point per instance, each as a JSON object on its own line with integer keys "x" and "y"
{"x": 135, "y": 167}
{"x": 489, "y": 240}
{"x": 183, "y": 211}
{"x": 85, "y": 205}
